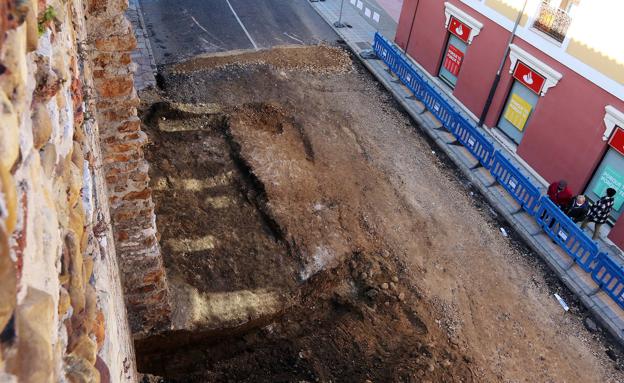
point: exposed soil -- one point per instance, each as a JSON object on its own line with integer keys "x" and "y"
{"x": 369, "y": 258}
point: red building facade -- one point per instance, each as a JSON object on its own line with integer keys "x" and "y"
{"x": 554, "y": 112}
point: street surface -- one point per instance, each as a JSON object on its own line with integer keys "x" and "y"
{"x": 180, "y": 29}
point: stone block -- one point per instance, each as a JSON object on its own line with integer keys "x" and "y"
{"x": 115, "y": 87}
{"x": 79, "y": 370}
{"x": 121, "y": 43}
{"x": 41, "y": 125}
{"x": 8, "y": 280}
{"x": 34, "y": 324}
{"x": 9, "y": 131}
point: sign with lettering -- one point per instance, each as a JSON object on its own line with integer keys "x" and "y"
{"x": 459, "y": 29}
{"x": 518, "y": 111}
{"x": 453, "y": 60}
{"x": 528, "y": 77}
{"x": 617, "y": 140}
{"x": 611, "y": 178}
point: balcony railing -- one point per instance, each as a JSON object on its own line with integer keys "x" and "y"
{"x": 552, "y": 21}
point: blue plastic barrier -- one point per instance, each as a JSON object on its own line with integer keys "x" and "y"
{"x": 610, "y": 277}
{"x": 386, "y": 51}
{"x": 477, "y": 145}
{"x": 520, "y": 188}
{"x": 567, "y": 234}
{"x": 584, "y": 251}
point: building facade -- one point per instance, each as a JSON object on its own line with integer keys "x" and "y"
{"x": 559, "y": 103}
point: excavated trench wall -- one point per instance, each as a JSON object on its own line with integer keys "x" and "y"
{"x": 70, "y": 164}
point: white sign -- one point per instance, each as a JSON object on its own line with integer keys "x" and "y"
{"x": 471, "y": 142}
{"x": 367, "y": 12}
{"x": 563, "y": 235}
{"x": 376, "y": 16}
{"x": 353, "y": 2}
{"x": 512, "y": 183}
{"x": 360, "y": 4}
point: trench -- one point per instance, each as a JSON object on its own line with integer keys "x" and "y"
{"x": 323, "y": 327}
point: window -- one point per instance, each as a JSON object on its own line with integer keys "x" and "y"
{"x": 610, "y": 173}
{"x": 521, "y": 101}
{"x": 453, "y": 58}
{"x": 554, "y": 16}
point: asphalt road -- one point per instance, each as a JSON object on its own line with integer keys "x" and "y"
{"x": 180, "y": 29}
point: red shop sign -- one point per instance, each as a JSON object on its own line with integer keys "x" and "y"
{"x": 459, "y": 29}
{"x": 453, "y": 60}
{"x": 528, "y": 77}
{"x": 617, "y": 140}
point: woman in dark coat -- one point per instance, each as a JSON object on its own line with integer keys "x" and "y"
{"x": 599, "y": 212}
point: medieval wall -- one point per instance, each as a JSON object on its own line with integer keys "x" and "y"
{"x": 68, "y": 134}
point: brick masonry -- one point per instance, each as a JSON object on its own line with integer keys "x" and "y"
{"x": 111, "y": 45}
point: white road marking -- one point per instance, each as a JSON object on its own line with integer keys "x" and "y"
{"x": 199, "y": 25}
{"x": 293, "y": 37}
{"x": 242, "y": 25}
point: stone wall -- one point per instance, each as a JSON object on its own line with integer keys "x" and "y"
{"x": 111, "y": 41}
{"x": 65, "y": 91}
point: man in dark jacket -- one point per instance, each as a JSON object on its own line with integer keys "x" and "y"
{"x": 599, "y": 212}
{"x": 578, "y": 208}
{"x": 559, "y": 193}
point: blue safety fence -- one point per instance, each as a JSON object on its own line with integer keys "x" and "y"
{"x": 560, "y": 228}
{"x": 567, "y": 234}
{"x": 519, "y": 186}
{"x": 475, "y": 142}
{"x": 610, "y": 277}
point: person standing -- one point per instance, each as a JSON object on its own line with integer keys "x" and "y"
{"x": 559, "y": 193}
{"x": 578, "y": 209}
{"x": 599, "y": 212}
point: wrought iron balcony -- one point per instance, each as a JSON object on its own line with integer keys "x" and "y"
{"x": 552, "y": 21}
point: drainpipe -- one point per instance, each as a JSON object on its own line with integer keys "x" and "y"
{"x": 411, "y": 26}
{"x": 488, "y": 103}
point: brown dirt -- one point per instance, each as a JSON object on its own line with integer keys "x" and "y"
{"x": 392, "y": 269}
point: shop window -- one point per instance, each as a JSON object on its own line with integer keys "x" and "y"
{"x": 453, "y": 59}
{"x": 610, "y": 174}
{"x": 521, "y": 102}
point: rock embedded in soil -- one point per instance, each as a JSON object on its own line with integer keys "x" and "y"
{"x": 590, "y": 325}
{"x": 384, "y": 286}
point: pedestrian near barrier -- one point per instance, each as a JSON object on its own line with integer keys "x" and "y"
{"x": 559, "y": 193}
{"x": 599, "y": 212}
{"x": 578, "y": 209}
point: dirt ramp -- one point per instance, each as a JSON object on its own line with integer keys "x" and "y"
{"x": 316, "y": 58}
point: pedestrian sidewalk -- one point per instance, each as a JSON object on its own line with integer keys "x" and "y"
{"x": 359, "y": 37}
{"x": 144, "y": 75}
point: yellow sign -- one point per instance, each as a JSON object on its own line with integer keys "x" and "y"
{"x": 518, "y": 111}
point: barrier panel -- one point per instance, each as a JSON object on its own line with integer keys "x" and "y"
{"x": 477, "y": 145}
{"x": 386, "y": 51}
{"x": 561, "y": 229}
{"x": 520, "y": 188}
{"x": 610, "y": 277}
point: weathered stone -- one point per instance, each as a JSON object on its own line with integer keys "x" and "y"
{"x": 590, "y": 325}
{"x": 42, "y": 125}
{"x": 48, "y": 159}
{"x": 34, "y": 323}
{"x": 99, "y": 329}
{"x": 115, "y": 87}
{"x": 126, "y": 42}
{"x": 85, "y": 349}
{"x": 8, "y": 280}
{"x": 76, "y": 285}
{"x": 64, "y": 302}
{"x": 78, "y": 370}
{"x": 9, "y": 145}
{"x": 9, "y": 193}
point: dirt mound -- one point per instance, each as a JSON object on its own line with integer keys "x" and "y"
{"x": 318, "y": 59}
